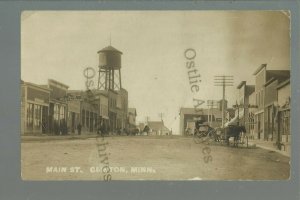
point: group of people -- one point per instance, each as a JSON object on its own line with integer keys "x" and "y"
{"x": 103, "y": 130}
{"x": 60, "y": 128}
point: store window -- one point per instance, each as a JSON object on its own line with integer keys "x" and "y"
{"x": 37, "y": 116}
{"x": 62, "y": 112}
{"x": 286, "y": 122}
{"x": 56, "y": 112}
{"x": 83, "y": 117}
{"x": 87, "y": 118}
{"x": 29, "y": 120}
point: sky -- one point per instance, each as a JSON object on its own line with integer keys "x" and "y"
{"x": 61, "y": 44}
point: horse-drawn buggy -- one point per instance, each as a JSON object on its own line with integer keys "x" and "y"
{"x": 234, "y": 134}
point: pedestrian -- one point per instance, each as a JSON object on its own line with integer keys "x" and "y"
{"x": 79, "y": 129}
{"x": 146, "y": 129}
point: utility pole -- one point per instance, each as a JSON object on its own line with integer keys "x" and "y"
{"x": 238, "y": 112}
{"x": 223, "y": 81}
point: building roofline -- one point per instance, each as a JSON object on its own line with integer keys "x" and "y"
{"x": 57, "y": 82}
{"x": 241, "y": 84}
{"x": 270, "y": 81}
{"x": 37, "y": 86}
{"x": 284, "y": 83}
{"x": 259, "y": 69}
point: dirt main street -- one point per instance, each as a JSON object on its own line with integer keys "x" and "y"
{"x": 146, "y": 158}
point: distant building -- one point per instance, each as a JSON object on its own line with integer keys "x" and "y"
{"x": 158, "y": 128}
{"x": 132, "y": 118}
{"x": 188, "y": 117}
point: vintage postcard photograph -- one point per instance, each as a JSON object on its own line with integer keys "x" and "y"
{"x": 155, "y": 95}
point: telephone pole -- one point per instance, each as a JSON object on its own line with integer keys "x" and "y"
{"x": 223, "y": 81}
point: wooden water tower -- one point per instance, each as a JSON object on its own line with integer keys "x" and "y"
{"x": 109, "y": 69}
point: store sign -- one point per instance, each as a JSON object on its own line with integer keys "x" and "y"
{"x": 74, "y": 106}
{"x": 39, "y": 100}
{"x": 70, "y": 98}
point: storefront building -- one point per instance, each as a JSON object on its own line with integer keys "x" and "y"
{"x": 263, "y": 116}
{"x": 112, "y": 110}
{"x": 284, "y": 115}
{"x": 244, "y": 92}
{"x": 34, "y": 108}
{"x": 73, "y": 115}
{"x": 260, "y": 80}
{"x": 58, "y": 108}
{"x": 103, "y": 112}
{"x": 251, "y": 116}
{"x": 270, "y": 110}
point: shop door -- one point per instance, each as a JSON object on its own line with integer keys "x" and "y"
{"x": 45, "y": 119}
{"x": 258, "y": 128}
{"x": 73, "y": 122}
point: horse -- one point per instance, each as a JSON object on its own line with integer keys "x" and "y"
{"x": 234, "y": 131}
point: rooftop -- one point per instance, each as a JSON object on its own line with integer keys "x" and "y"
{"x": 157, "y": 125}
{"x": 260, "y": 68}
{"x": 51, "y": 81}
{"x": 241, "y": 84}
{"x": 283, "y": 84}
{"x": 46, "y": 88}
{"x": 109, "y": 49}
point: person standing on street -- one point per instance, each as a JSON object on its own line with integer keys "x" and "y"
{"x": 79, "y": 129}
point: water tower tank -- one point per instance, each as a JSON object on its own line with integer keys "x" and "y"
{"x": 109, "y": 58}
